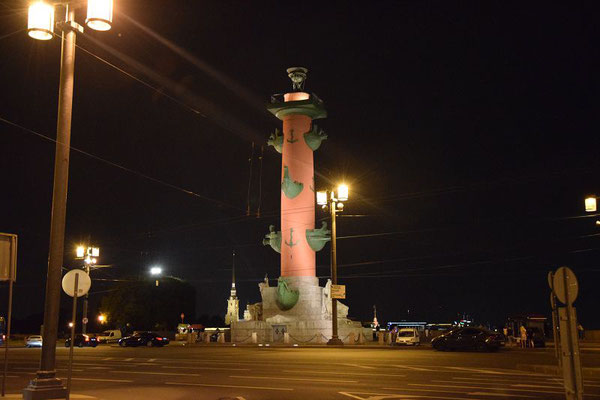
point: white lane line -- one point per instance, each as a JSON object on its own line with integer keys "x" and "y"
{"x": 99, "y": 368}
{"x": 359, "y": 366}
{"x": 215, "y": 368}
{"x": 483, "y": 371}
{"x": 102, "y": 380}
{"x": 534, "y": 386}
{"x": 510, "y": 383}
{"x": 412, "y": 368}
{"x": 503, "y": 395}
{"x": 107, "y": 358}
{"x": 128, "y": 359}
{"x": 227, "y": 386}
{"x": 500, "y": 380}
{"x": 151, "y": 359}
{"x": 480, "y": 387}
{"x": 153, "y": 373}
{"x": 381, "y": 396}
{"x": 316, "y": 372}
{"x": 292, "y": 379}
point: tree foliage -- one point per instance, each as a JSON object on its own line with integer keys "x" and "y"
{"x": 144, "y": 306}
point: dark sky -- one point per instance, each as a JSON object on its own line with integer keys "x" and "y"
{"x": 468, "y": 132}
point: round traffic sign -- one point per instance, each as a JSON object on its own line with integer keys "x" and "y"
{"x": 85, "y": 320}
{"x": 566, "y": 287}
{"x": 83, "y": 284}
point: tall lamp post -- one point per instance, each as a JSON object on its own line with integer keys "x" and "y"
{"x": 41, "y": 26}
{"x": 88, "y": 255}
{"x": 156, "y": 272}
{"x": 332, "y": 200}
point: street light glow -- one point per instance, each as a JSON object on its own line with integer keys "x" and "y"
{"x": 590, "y": 204}
{"x": 322, "y": 198}
{"x": 80, "y": 251}
{"x": 95, "y": 252}
{"x": 101, "y": 318}
{"x": 155, "y": 271}
{"x": 99, "y": 14}
{"x": 342, "y": 192}
{"x": 40, "y": 21}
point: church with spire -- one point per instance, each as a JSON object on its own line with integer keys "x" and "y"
{"x": 233, "y": 303}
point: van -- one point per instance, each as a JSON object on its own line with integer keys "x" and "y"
{"x": 408, "y": 336}
{"x": 111, "y": 336}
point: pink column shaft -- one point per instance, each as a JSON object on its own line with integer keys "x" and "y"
{"x": 297, "y": 213}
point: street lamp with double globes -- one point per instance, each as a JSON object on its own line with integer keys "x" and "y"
{"x": 89, "y": 256}
{"x": 41, "y": 26}
{"x": 332, "y": 200}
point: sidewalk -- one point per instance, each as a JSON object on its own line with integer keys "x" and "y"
{"x": 587, "y": 372}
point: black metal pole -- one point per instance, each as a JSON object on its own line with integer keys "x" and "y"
{"x": 84, "y": 321}
{"x": 46, "y": 380}
{"x": 335, "y": 340}
{"x": 74, "y": 324}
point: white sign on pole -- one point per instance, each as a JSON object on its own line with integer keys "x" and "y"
{"x": 565, "y": 287}
{"x": 8, "y": 257}
{"x": 84, "y": 284}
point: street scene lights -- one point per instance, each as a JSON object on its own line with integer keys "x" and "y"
{"x": 156, "y": 272}
{"x": 40, "y": 26}
{"x": 89, "y": 256}
{"x": 332, "y": 200}
{"x": 590, "y": 204}
{"x": 102, "y": 318}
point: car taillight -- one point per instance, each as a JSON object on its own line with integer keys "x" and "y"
{"x": 158, "y": 338}
{"x": 87, "y": 339}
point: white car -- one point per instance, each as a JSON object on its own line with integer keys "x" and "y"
{"x": 34, "y": 341}
{"x": 408, "y": 336}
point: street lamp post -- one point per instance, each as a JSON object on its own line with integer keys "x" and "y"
{"x": 156, "y": 271}
{"x": 333, "y": 200}
{"x": 88, "y": 255}
{"x": 40, "y": 26}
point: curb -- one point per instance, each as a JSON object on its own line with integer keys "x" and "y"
{"x": 554, "y": 370}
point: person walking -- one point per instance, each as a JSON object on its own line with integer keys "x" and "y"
{"x": 523, "y": 333}
{"x": 580, "y": 332}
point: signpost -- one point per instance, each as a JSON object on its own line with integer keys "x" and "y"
{"x": 8, "y": 272}
{"x": 565, "y": 288}
{"x": 75, "y": 283}
{"x": 338, "y": 291}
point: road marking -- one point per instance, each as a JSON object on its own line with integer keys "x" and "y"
{"x": 228, "y": 386}
{"x": 503, "y": 395}
{"x": 72, "y": 395}
{"x": 151, "y": 359}
{"x": 413, "y": 368}
{"x": 102, "y": 380}
{"x": 382, "y": 396}
{"x": 359, "y": 366}
{"x": 292, "y": 379}
{"x": 343, "y": 373}
{"x": 128, "y": 359}
{"x": 483, "y": 371}
{"x": 534, "y": 386}
{"x": 153, "y": 373}
{"x": 480, "y": 387}
{"x": 99, "y": 368}
{"x": 107, "y": 358}
{"x": 210, "y": 368}
{"x": 498, "y": 380}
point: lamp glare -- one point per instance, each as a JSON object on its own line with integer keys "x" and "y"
{"x": 590, "y": 204}
{"x": 342, "y": 192}
{"x": 155, "y": 271}
{"x": 80, "y": 251}
{"x": 40, "y": 21}
{"x": 321, "y": 198}
{"x": 99, "y": 14}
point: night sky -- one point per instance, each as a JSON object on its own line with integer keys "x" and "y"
{"x": 467, "y": 131}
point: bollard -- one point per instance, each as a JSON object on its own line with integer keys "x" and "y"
{"x": 388, "y": 337}
{"x": 361, "y": 338}
{"x": 221, "y": 338}
{"x": 351, "y": 338}
{"x": 380, "y": 337}
{"x": 254, "y": 338}
{"x": 206, "y": 337}
{"x": 286, "y": 338}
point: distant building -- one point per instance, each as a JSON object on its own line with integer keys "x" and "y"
{"x": 233, "y": 303}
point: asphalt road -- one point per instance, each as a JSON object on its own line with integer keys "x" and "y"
{"x": 279, "y": 373}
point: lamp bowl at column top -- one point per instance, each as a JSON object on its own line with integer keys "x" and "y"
{"x": 590, "y": 204}
{"x": 40, "y": 21}
{"x": 99, "y": 14}
{"x": 282, "y": 105}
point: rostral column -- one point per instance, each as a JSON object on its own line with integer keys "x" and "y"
{"x": 298, "y": 240}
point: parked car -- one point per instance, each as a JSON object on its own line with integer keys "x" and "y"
{"x": 536, "y": 336}
{"x": 110, "y": 336}
{"x": 469, "y": 338}
{"x": 82, "y": 340}
{"x": 34, "y": 341}
{"x": 408, "y": 336}
{"x": 143, "y": 339}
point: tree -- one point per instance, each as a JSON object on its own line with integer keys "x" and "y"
{"x": 144, "y": 306}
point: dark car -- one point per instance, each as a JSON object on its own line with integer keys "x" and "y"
{"x": 536, "y": 336}
{"x": 143, "y": 339}
{"x": 82, "y": 341}
{"x": 468, "y": 339}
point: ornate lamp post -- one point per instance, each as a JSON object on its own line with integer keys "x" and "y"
{"x": 41, "y": 26}
{"x": 89, "y": 256}
{"x": 332, "y": 200}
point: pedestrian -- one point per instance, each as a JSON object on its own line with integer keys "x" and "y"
{"x": 523, "y": 332}
{"x": 580, "y": 332}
